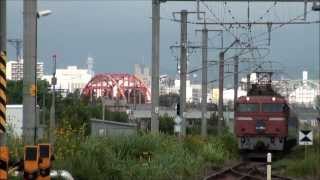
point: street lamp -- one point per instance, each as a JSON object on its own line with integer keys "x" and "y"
{"x": 43, "y": 13}
{"x": 39, "y": 15}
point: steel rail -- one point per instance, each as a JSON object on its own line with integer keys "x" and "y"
{"x": 244, "y": 171}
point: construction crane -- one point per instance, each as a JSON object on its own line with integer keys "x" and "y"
{"x": 17, "y": 44}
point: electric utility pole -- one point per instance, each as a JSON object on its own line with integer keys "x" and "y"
{"x": 155, "y": 66}
{"x": 221, "y": 82}
{"x": 183, "y": 65}
{"x": 235, "y": 82}
{"x": 53, "y": 102}
{"x": 29, "y": 70}
{"x": 204, "y": 88}
{"x": 183, "y": 68}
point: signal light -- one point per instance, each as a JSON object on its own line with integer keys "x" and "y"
{"x": 4, "y": 161}
{"x": 178, "y": 109}
{"x": 45, "y": 158}
{"x": 30, "y": 164}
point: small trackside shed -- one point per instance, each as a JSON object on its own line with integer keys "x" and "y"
{"x": 111, "y": 128}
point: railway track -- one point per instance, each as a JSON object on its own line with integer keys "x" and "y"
{"x": 244, "y": 171}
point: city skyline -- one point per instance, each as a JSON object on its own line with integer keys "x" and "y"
{"x": 74, "y": 35}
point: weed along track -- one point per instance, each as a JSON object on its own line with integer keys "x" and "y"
{"x": 244, "y": 171}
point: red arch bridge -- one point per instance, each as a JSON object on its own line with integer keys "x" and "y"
{"x": 118, "y": 86}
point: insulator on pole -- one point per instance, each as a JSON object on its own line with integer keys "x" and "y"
{"x": 269, "y": 26}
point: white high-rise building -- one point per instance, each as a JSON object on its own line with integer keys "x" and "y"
{"x": 306, "y": 92}
{"x": 143, "y": 73}
{"x": 193, "y": 91}
{"x": 14, "y": 70}
{"x": 71, "y": 78}
{"x": 90, "y": 62}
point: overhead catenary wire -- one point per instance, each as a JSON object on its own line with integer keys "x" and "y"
{"x": 283, "y": 24}
{"x": 253, "y": 38}
{"x": 267, "y": 11}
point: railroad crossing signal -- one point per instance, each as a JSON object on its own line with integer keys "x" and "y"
{"x": 30, "y": 164}
{"x": 305, "y": 137}
{"x": 45, "y": 158}
{"x": 4, "y": 161}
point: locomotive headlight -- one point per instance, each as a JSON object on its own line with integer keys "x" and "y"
{"x": 248, "y": 98}
{"x": 273, "y": 98}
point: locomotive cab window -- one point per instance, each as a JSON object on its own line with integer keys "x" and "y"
{"x": 248, "y": 107}
{"x": 274, "y": 107}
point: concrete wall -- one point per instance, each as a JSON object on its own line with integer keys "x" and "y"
{"x": 111, "y": 128}
{"x": 14, "y": 119}
{"x": 14, "y": 116}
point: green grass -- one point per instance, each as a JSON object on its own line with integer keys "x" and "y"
{"x": 301, "y": 162}
{"x": 122, "y": 157}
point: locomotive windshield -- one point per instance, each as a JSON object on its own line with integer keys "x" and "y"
{"x": 248, "y": 107}
{"x": 273, "y": 107}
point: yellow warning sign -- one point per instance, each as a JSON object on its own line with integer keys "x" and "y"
{"x": 215, "y": 95}
{"x": 33, "y": 90}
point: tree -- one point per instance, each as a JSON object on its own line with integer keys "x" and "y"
{"x": 14, "y": 92}
{"x": 166, "y": 124}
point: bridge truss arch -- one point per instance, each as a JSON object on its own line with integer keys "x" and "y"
{"x": 120, "y": 86}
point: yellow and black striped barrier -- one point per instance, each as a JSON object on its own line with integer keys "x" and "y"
{"x": 4, "y": 162}
{"x": 3, "y": 97}
{"x": 4, "y": 151}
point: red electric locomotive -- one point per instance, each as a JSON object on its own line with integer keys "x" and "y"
{"x": 262, "y": 117}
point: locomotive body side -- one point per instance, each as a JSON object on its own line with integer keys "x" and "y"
{"x": 261, "y": 122}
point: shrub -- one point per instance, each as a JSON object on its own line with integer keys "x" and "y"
{"x": 122, "y": 158}
{"x": 166, "y": 124}
{"x": 302, "y": 162}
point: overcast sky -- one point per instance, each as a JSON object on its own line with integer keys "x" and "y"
{"x": 117, "y": 34}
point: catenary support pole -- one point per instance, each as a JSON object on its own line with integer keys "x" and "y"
{"x": 155, "y": 66}
{"x": 29, "y": 70}
{"x": 235, "y": 82}
{"x": 248, "y": 82}
{"x": 53, "y": 102}
{"x": 220, "y": 103}
{"x": 204, "y": 82}
{"x": 183, "y": 68}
